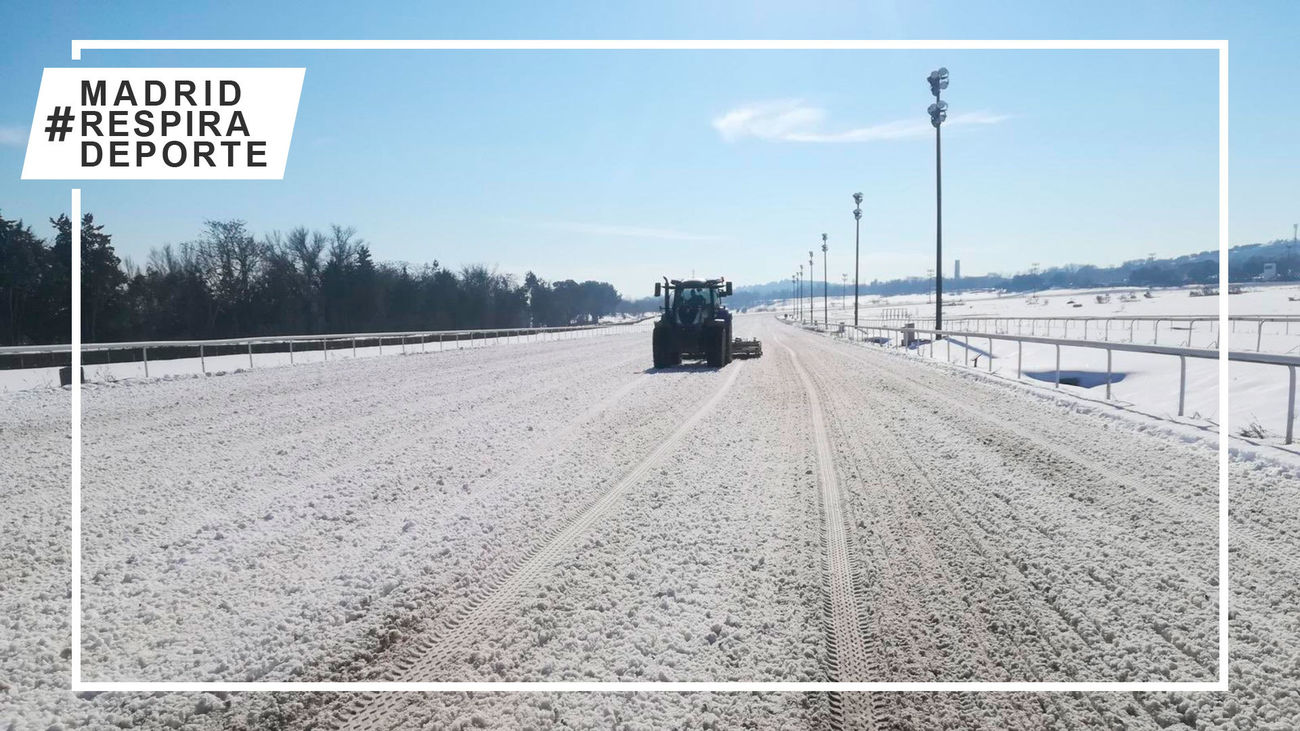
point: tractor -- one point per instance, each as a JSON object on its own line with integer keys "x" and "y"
{"x": 695, "y": 324}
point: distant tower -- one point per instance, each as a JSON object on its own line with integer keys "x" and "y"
{"x": 956, "y": 269}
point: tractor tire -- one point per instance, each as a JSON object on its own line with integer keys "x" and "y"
{"x": 726, "y": 345}
{"x": 715, "y": 348}
{"x": 664, "y": 355}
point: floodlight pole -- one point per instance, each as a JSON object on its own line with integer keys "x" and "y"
{"x": 801, "y": 293}
{"x": 857, "y": 241}
{"x": 938, "y": 231}
{"x": 826, "y": 309}
{"x": 938, "y": 113}
{"x": 812, "y": 306}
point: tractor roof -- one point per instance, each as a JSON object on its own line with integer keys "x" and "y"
{"x": 698, "y": 283}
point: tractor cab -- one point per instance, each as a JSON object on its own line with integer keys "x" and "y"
{"x": 691, "y": 303}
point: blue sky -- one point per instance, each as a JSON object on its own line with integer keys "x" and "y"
{"x": 625, "y": 165}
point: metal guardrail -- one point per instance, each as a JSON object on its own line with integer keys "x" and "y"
{"x": 423, "y": 337}
{"x": 983, "y": 322}
{"x": 1182, "y": 353}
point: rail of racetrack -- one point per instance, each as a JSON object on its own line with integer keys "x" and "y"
{"x": 850, "y": 655}
{"x": 471, "y": 623}
{"x": 278, "y": 343}
{"x": 323, "y": 337}
{"x": 1002, "y": 324}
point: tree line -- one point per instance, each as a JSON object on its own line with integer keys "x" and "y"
{"x": 227, "y": 282}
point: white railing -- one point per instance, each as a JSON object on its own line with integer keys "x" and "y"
{"x": 882, "y": 334}
{"x": 1003, "y": 324}
{"x": 421, "y": 337}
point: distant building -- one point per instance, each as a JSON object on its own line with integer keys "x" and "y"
{"x": 956, "y": 268}
{"x": 1269, "y": 273}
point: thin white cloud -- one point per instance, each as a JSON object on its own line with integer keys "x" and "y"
{"x": 599, "y": 229}
{"x": 790, "y": 120}
{"x": 12, "y": 135}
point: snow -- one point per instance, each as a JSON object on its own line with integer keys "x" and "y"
{"x": 1256, "y": 299}
{"x": 559, "y": 510}
{"x": 1146, "y": 383}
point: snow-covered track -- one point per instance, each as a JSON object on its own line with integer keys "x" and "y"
{"x": 851, "y": 656}
{"x": 429, "y": 653}
{"x": 334, "y": 523}
{"x": 251, "y": 491}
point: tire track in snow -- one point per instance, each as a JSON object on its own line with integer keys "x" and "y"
{"x": 998, "y": 429}
{"x": 1267, "y": 543}
{"x": 851, "y": 658}
{"x": 1105, "y": 711}
{"x": 520, "y": 463}
{"x": 892, "y": 450}
{"x": 375, "y": 710}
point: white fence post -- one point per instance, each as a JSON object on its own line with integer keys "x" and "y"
{"x": 1182, "y": 383}
{"x": 1108, "y": 371}
{"x": 1290, "y": 405}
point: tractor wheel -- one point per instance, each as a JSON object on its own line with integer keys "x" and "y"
{"x": 662, "y": 358}
{"x": 726, "y": 345}
{"x": 715, "y": 348}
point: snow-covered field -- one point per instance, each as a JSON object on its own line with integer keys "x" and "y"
{"x": 559, "y": 511}
{"x": 1010, "y": 313}
{"x": 1142, "y": 382}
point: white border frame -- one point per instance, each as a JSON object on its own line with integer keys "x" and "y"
{"x": 78, "y": 46}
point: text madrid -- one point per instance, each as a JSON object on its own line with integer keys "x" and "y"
{"x": 228, "y": 129}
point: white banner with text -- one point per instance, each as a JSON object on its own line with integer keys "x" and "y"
{"x": 163, "y": 124}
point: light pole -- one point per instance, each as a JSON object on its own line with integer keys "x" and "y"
{"x": 801, "y": 293}
{"x": 792, "y": 294}
{"x": 826, "y": 308}
{"x": 938, "y": 113}
{"x": 812, "y": 307}
{"x": 844, "y": 291}
{"x": 857, "y": 241}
